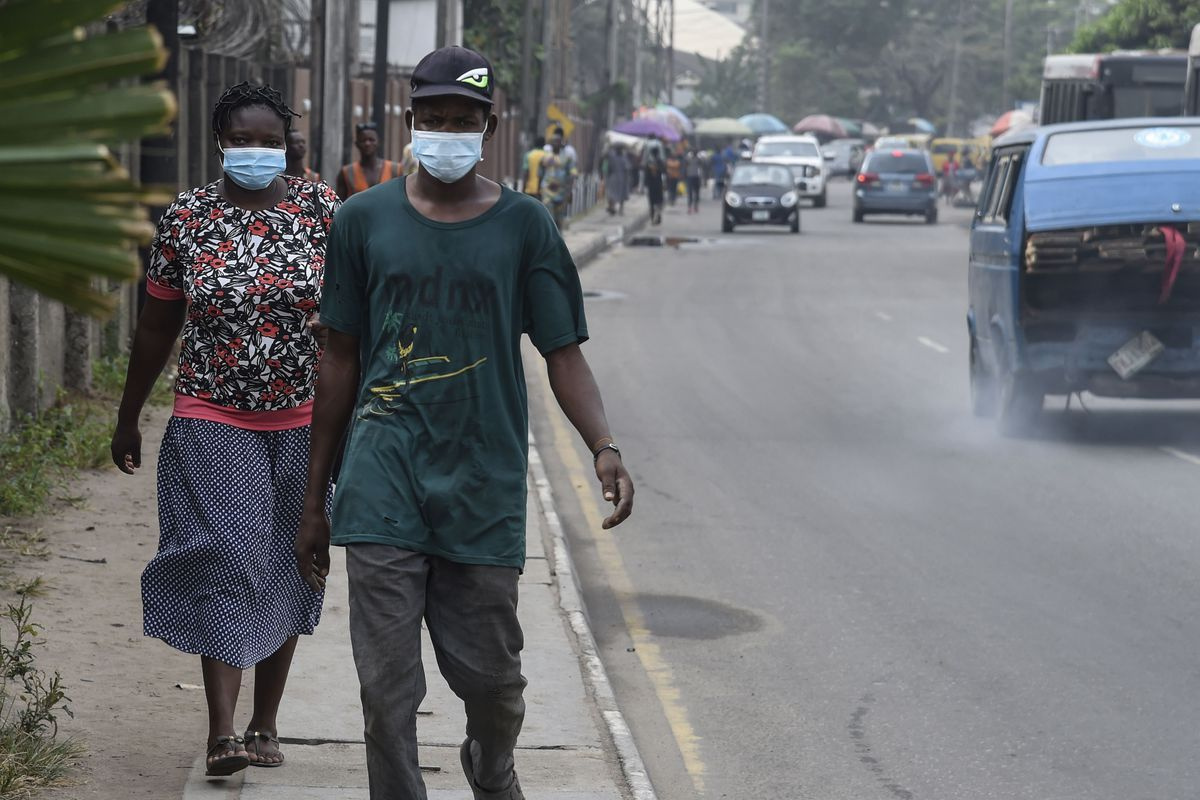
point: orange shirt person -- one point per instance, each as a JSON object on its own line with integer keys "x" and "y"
{"x": 370, "y": 169}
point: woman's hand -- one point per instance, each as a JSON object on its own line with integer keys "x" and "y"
{"x": 127, "y": 448}
{"x": 321, "y": 332}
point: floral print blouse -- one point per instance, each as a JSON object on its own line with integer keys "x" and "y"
{"x": 252, "y": 280}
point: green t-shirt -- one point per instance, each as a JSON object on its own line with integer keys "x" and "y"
{"x": 438, "y": 446}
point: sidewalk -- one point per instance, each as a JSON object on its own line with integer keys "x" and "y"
{"x": 574, "y": 745}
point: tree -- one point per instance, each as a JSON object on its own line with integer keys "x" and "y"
{"x": 496, "y": 30}
{"x": 68, "y": 212}
{"x": 1140, "y": 24}
{"x": 726, "y": 86}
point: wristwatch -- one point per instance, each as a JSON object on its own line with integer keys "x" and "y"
{"x": 609, "y": 446}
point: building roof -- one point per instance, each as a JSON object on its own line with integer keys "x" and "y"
{"x": 699, "y": 29}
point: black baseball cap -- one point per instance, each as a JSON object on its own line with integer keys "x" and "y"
{"x": 454, "y": 70}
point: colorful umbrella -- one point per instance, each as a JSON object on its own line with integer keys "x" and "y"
{"x": 822, "y": 126}
{"x": 922, "y": 125}
{"x": 685, "y": 123}
{"x": 1011, "y": 120}
{"x": 763, "y": 123}
{"x": 722, "y": 126}
{"x": 643, "y": 126}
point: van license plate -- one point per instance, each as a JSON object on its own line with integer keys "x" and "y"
{"x": 1135, "y": 354}
{"x": 897, "y": 186}
{"x": 761, "y": 216}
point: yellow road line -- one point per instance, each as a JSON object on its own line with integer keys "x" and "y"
{"x": 662, "y": 678}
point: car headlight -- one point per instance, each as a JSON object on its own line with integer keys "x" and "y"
{"x": 733, "y": 199}
{"x": 788, "y": 200}
{"x": 811, "y": 172}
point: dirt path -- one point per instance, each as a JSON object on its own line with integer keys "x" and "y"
{"x": 142, "y": 732}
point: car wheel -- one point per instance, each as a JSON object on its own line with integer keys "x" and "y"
{"x": 983, "y": 386}
{"x": 858, "y": 215}
{"x": 931, "y": 215}
{"x": 821, "y": 200}
{"x": 796, "y": 222}
{"x": 726, "y": 225}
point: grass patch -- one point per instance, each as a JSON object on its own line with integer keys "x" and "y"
{"x": 41, "y": 453}
{"x": 31, "y": 754}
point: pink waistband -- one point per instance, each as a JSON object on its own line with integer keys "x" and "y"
{"x": 281, "y": 420}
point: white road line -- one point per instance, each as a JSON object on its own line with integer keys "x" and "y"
{"x": 1182, "y": 456}
{"x": 932, "y": 345}
{"x": 883, "y": 316}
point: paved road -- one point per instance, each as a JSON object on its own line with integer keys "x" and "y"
{"x": 837, "y": 583}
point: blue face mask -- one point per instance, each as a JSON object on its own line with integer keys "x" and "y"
{"x": 253, "y": 167}
{"x": 447, "y": 156}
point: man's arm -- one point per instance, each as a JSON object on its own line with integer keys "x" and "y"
{"x": 578, "y": 396}
{"x": 337, "y": 385}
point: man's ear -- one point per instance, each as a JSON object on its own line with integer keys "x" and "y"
{"x": 408, "y": 118}
{"x": 492, "y": 123}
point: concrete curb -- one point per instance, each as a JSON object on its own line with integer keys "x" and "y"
{"x": 570, "y": 600}
{"x": 597, "y": 244}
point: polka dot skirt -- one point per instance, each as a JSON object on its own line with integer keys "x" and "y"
{"x": 224, "y": 583}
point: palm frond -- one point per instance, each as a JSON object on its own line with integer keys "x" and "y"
{"x": 69, "y": 212}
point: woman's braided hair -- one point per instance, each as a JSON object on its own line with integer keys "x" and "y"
{"x": 248, "y": 94}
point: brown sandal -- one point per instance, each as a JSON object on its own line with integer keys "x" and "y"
{"x": 228, "y": 764}
{"x": 252, "y": 738}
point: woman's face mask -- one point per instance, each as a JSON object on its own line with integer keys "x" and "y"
{"x": 253, "y": 167}
{"x": 447, "y": 156}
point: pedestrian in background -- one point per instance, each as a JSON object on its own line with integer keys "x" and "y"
{"x": 693, "y": 175}
{"x": 674, "y": 175}
{"x": 237, "y": 267}
{"x": 719, "y": 168}
{"x": 370, "y": 170}
{"x": 653, "y": 174}
{"x": 297, "y": 149}
{"x": 557, "y": 181}
{"x": 615, "y": 169}
{"x": 531, "y": 168}
{"x": 431, "y": 503}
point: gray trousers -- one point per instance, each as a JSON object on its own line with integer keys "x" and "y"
{"x": 471, "y": 613}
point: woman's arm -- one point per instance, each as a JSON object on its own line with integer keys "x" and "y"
{"x": 158, "y": 329}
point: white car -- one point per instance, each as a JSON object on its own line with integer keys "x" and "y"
{"x": 801, "y": 153}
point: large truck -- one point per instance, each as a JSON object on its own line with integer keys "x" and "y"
{"x": 1116, "y": 85}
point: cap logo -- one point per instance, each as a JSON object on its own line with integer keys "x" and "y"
{"x": 477, "y": 77}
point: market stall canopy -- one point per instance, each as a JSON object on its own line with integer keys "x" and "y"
{"x": 822, "y": 126}
{"x": 1011, "y": 120}
{"x": 722, "y": 126}
{"x": 644, "y": 126}
{"x": 762, "y": 123}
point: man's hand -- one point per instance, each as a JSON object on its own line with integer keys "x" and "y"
{"x": 312, "y": 548}
{"x": 617, "y": 486}
{"x": 127, "y": 448}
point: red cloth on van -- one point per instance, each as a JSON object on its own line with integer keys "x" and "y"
{"x": 1175, "y": 248}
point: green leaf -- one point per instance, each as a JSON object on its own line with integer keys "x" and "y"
{"x": 105, "y": 116}
{"x": 77, "y": 64}
{"x": 25, "y": 23}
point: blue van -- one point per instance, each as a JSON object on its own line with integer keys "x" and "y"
{"x": 1085, "y": 266}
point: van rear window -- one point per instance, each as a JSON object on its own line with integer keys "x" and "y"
{"x": 909, "y": 163}
{"x": 799, "y": 149}
{"x": 1171, "y": 143}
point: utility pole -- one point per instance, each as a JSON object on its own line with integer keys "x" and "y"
{"x": 764, "y": 91}
{"x": 611, "y": 68}
{"x": 1008, "y": 24}
{"x": 545, "y": 75}
{"x": 956, "y": 61}
{"x": 640, "y": 20}
{"x": 316, "y": 89}
{"x": 340, "y": 54}
{"x": 379, "y": 79}
{"x": 671, "y": 59}
{"x": 529, "y": 100}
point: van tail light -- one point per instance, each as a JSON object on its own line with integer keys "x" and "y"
{"x": 867, "y": 178}
{"x": 926, "y": 180}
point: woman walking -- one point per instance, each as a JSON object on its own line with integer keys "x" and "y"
{"x": 236, "y": 266}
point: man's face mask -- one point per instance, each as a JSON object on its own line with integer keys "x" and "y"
{"x": 447, "y": 156}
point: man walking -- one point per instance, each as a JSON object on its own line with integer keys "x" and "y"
{"x": 430, "y": 282}
{"x": 558, "y": 179}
